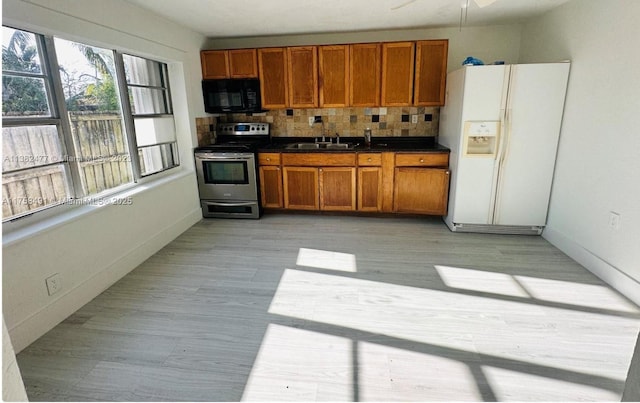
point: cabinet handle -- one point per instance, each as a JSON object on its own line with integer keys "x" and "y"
{"x": 320, "y": 169}
{"x": 268, "y": 159}
{"x": 421, "y": 160}
{"x": 368, "y": 159}
{"x": 277, "y": 168}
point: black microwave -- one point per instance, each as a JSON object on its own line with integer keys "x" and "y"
{"x": 231, "y": 96}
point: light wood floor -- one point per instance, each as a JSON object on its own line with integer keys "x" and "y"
{"x": 295, "y": 307}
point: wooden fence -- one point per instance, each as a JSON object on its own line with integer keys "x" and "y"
{"x": 35, "y": 167}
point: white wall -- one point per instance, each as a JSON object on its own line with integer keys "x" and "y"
{"x": 12, "y": 385}
{"x": 501, "y": 42}
{"x": 598, "y": 165}
{"x": 95, "y": 249}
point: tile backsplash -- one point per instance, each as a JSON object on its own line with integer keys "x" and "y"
{"x": 347, "y": 122}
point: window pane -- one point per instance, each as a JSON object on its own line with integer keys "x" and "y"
{"x": 91, "y": 94}
{"x": 101, "y": 150}
{"x": 30, "y": 146}
{"x": 157, "y": 158}
{"x": 150, "y": 131}
{"x": 88, "y": 77}
{"x": 34, "y": 189}
{"x": 19, "y": 52}
{"x": 148, "y": 101}
{"x": 141, "y": 71}
{"x": 24, "y": 97}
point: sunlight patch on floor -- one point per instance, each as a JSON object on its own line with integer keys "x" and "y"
{"x": 322, "y": 259}
{"x": 465, "y": 324}
{"x": 563, "y": 292}
{"x": 482, "y": 281}
{"x": 405, "y": 312}
{"x": 301, "y": 365}
{"x": 385, "y": 373}
{"x": 575, "y": 293}
{"x": 544, "y": 389}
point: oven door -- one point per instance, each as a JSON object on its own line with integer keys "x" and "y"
{"x": 226, "y": 176}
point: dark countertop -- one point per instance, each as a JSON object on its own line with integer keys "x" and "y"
{"x": 379, "y": 144}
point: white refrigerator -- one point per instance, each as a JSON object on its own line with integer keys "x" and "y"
{"x": 502, "y": 124}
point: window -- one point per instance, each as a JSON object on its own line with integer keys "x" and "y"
{"x": 34, "y": 172}
{"x": 71, "y": 116}
{"x": 152, "y": 114}
{"x": 99, "y": 144}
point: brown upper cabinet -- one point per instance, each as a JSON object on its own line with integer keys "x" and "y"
{"x": 303, "y": 76}
{"x": 364, "y": 73}
{"x": 235, "y": 63}
{"x": 243, "y": 63}
{"x": 334, "y": 75}
{"x": 272, "y": 65}
{"x": 215, "y": 64}
{"x": 397, "y": 73}
{"x": 431, "y": 73}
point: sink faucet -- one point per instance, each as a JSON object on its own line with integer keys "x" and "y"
{"x": 321, "y": 121}
{"x": 337, "y": 138}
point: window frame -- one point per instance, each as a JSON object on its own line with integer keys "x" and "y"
{"x": 168, "y": 103}
{"x": 59, "y": 117}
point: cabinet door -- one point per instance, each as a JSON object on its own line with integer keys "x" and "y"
{"x": 334, "y": 76}
{"x": 272, "y": 65}
{"x": 397, "y": 73}
{"x": 370, "y": 189}
{"x": 431, "y": 73}
{"x": 421, "y": 190}
{"x": 303, "y": 76}
{"x": 338, "y": 189}
{"x": 215, "y": 64}
{"x": 271, "y": 186}
{"x": 243, "y": 63}
{"x": 364, "y": 73}
{"x": 300, "y": 188}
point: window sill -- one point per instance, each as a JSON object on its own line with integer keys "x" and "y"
{"x": 50, "y": 219}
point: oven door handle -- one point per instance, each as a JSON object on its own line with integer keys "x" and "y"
{"x": 216, "y": 157}
{"x": 230, "y": 204}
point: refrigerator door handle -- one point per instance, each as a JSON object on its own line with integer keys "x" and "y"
{"x": 504, "y": 154}
{"x": 497, "y": 164}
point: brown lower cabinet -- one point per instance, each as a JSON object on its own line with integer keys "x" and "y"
{"x": 416, "y": 183}
{"x": 270, "y": 180}
{"x": 337, "y": 188}
{"x": 301, "y": 188}
{"x": 271, "y": 186}
{"x": 370, "y": 189}
{"x": 327, "y": 188}
{"x": 421, "y": 190}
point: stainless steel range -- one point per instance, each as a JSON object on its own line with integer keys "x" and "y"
{"x": 227, "y": 171}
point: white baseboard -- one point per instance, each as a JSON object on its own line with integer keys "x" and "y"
{"x": 36, "y": 325}
{"x": 617, "y": 279}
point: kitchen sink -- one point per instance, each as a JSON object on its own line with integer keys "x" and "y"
{"x": 303, "y": 146}
{"x": 321, "y": 146}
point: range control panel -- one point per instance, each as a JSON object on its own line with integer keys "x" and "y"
{"x": 240, "y": 129}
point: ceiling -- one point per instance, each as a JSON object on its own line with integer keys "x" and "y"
{"x": 239, "y": 18}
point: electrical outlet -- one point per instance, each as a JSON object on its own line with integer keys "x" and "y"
{"x": 414, "y": 118}
{"x": 614, "y": 220}
{"x": 54, "y": 284}
{"x": 312, "y": 120}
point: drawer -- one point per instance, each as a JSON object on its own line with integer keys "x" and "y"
{"x": 422, "y": 159}
{"x": 268, "y": 158}
{"x": 319, "y": 159}
{"x": 369, "y": 159}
